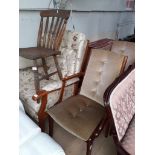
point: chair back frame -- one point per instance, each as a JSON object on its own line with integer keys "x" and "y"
{"x": 52, "y": 27}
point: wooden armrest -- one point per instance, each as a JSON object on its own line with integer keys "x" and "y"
{"x": 39, "y": 95}
{"x": 73, "y": 76}
{"x": 42, "y": 93}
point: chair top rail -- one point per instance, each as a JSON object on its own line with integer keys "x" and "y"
{"x": 55, "y": 13}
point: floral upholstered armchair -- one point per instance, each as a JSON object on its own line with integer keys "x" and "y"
{"x": 72, "y": 56}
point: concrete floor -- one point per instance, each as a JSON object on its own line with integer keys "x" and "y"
{"x": 75, "y": 146}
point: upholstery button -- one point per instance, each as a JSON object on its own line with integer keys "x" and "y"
{"x": 100, "y": 128}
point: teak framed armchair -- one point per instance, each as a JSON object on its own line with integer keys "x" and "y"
{"x": 119, "y": 99}
{"x": 83, "y": 115}
{"x": 73, "y": 53}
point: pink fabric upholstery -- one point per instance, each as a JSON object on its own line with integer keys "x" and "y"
{"x": 128, "y": 142}
{"x": 122, "y": 103}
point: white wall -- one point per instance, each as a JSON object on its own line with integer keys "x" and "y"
{"x": 98, "y": 5}
{"x": 95, "y": 25}
{"x": 33, "y": 4}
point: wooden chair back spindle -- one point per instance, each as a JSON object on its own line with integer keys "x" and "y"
{"x": 52, "y": 27}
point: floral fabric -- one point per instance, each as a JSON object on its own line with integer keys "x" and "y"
{"x": 72, "y": 51}
{"x": 122, "y": 103}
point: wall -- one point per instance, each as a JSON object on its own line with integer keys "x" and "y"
{"x": 108, "y": 18}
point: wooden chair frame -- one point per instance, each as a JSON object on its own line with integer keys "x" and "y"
{"x": 101, "y": 124}
{"x": 50, "y": 34}
{"x": 110, "y": 127}
{"x": 42, "y": 94}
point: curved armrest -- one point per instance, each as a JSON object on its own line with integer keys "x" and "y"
{"x": 73, "y": 76}
{"x": 39, "y": 95}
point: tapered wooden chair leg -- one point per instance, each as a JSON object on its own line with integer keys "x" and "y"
{"x": 42, "y": 124}
{"x": 89, "y": 148}
{"x": 50, "y": 126}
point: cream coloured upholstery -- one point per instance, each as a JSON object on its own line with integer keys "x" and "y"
{"x": 103, "y": 68}
{"x": 126, "y": 48}
{"x": 81, "y": 114}
{"x": 34, "y": 142}
{"x": 72, "y": 49}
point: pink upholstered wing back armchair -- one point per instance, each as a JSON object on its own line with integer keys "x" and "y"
{"x": 120, "y": 106}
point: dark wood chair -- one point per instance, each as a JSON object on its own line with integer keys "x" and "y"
{"x": 119, "y": 106}
{"x": 50, "y": 34}
{"x": 83, "y": 115}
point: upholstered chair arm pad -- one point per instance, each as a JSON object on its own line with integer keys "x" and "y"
{"x": 73, "y": 76}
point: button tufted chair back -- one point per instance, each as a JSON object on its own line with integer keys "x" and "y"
{"x": 126, "y": 48}
{"x": 100, "y": 73}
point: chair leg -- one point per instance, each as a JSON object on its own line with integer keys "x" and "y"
{"x": 76, "y": 88}
{"x": 50, "y": 126}
{"x": 57, "y": 66}
{"x": 89, "y": 147}
{"x": 42, "y": 124}
{"x": 36, "y": 76}
{"x": 45, "y": 68}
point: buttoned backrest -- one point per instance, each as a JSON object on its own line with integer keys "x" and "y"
{"x": 126, "y": 48}
{"x": 103, "y": 68}
{"x": 122, "y": 104}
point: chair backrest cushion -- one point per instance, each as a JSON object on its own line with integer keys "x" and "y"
{"x": 122, "y": 103}
{"x": 72, "y": 49}
{"x": 103, "y": 68}
{"x": 126, "y": 48}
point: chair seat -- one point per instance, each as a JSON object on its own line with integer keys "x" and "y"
{"x": 128, "y": 142}
{"x": 34, "y": 53}
{"x": 79, "y": 115}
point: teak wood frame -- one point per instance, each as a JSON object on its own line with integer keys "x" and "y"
{"x": 110, "y": 127}
{"x": 42, "y": 94}
{"x": 102, "y": 124}
{"x": 99, "y": 127}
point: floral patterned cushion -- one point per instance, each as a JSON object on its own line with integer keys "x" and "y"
{"x": 27, "y": 90}
{"x": 122, "y": 103}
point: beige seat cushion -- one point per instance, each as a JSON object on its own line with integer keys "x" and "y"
{"x": 128, "y": 142}
{"x": 126, "y": 48}
{"x": 79, "y": 115}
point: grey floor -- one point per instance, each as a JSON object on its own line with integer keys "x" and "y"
{"x": 75, "y": 146}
